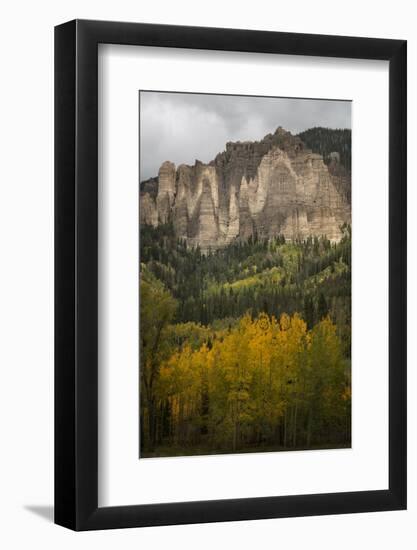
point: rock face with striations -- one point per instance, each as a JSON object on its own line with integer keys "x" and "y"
{"x": 272, "y": 187}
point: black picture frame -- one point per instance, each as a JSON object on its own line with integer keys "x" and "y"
{"x": 76, "y": 272}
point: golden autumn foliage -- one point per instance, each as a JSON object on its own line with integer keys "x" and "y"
{"x": 226, "y": 363}
{"x": 264, "y": 383}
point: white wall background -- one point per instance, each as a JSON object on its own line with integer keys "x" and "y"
{"x": 26, "y": 273}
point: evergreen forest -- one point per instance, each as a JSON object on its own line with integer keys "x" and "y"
{"x": 246, "y": 348}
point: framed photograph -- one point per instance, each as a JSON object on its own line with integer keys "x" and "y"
{"x": 230, "y": 284}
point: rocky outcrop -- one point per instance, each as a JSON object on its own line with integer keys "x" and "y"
{"x": 272, "y": 187}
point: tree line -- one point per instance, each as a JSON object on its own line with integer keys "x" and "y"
{"x": 328, "y": 140}
{"x": 311, "y": 277}
{"x": 244, "y": 348}
{"x": 265, "y": 383}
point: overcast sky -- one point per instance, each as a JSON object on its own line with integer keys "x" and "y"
{"x": 185, "y": 127}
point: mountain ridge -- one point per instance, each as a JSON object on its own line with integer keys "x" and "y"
{"x": 275, "y": 186}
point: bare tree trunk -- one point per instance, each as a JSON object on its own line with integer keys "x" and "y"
{"x": 294, "y": 441}
{"x": 285, "y": 429}
{"x": 234, "y": 435}
{"x": 151, "y": 423}
{"x": 309, "y": 427}
{"x": 181, "y": 421}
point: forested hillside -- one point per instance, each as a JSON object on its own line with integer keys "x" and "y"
{"x": 327, "y": 140}
{"x": 278, "y": 186}
{"x": 245, "y": 348}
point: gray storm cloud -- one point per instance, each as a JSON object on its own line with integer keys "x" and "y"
{"x": 184, "y": 127}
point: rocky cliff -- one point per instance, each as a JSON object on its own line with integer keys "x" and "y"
{"x": 276, "y": 186}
